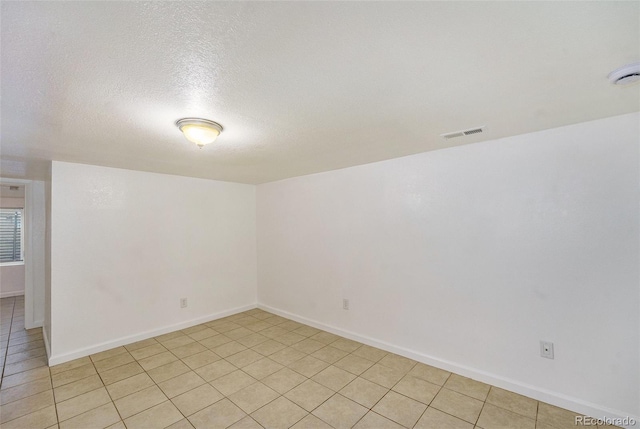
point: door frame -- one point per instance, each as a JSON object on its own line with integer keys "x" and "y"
{"x": 29, "y": 323}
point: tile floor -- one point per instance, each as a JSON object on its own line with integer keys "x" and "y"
{"x": 250, "y": 370}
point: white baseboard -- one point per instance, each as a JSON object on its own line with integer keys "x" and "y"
{"x": 97, "y": 348}
{"x": 550, "y": 397}
{"x": 46, "y": 345}
{"x": 10, "y": 294}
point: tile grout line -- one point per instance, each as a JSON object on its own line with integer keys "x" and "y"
{"x": 338, "y": 392}
{"x": 480, "y": 413}
{"x": 6, "y": 354}
{"x": 180, "y": 359}
{"x": 434, "y": 397}
{"x": 210, "y": 382}
{"x": 157, "y": 385}
{"x": 238, "y": 340}
{"x": 391, "y": 390}
{"x": 145, "y": 372}
{"x": 113, "y": 402}
{"x": 244, "y": 372}
{"x": 4, "y": 364}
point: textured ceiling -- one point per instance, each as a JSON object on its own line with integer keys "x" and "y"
{"x": 299, "y": 87}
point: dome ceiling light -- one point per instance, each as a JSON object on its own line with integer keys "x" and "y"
{"x": 199, "y": 131}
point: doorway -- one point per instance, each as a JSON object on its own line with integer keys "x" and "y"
{"x": 22, "y": 248}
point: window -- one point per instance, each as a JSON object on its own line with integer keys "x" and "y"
{"x": 11, "y": 235}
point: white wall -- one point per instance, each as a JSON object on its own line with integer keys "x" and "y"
{"x": 46, "y": 327}
{"x": 38, "y": 225}
{"x": 11, "y": 276}
{"x": 127, "y": 245}
{"x": 11, "y": 203}
{"x": 467, "y": 257}
{"x": 11, "y": 280}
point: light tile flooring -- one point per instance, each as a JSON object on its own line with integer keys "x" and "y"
{"x": 250, "y": 370}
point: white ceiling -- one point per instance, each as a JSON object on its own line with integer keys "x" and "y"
{"x": 299, "y": 87}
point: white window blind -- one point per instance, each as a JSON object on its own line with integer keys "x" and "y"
{"x": 10, "y": 235}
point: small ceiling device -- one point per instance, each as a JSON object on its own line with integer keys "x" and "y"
{"x": 625, "y": 74}
{"x": 470, "y": 131}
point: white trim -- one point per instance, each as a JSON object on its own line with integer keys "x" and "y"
{"x": 11, "y": 264}
{"x": 550, "y": 397}
{"x": 97, "y": 348}
{"x": 46, "y": 345}
{"x": 28, "y": 256}
{"x": 27, "y": 248}
{"x": 10, "y": 294}
{"x": 22, "y": 236}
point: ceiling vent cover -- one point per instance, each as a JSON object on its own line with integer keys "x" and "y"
{"x": 473, "y": 131}
{"x": 462, "y": 133}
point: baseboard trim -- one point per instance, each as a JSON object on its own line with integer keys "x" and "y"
{"x": 46, "y": 345}
{"x": 550, "y": 397}
{"x": 97, "y": 348}
{"x": 10, "y": 294}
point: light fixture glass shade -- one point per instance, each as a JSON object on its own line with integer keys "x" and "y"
{"x": 199, "y": 131}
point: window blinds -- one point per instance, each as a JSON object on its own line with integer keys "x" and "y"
{"x": 10, "y": 235}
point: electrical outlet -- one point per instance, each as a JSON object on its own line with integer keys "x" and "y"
{"x": 345, "y": 304}
{"x": 183, "y": 302}
{"x": 546, "y": 349}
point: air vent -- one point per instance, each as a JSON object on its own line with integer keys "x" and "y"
{"x": 462, "y": 133}
{"x": 474, "y": 131}
{"x": 13, "y": 188}
{"x": 452, "y": 135}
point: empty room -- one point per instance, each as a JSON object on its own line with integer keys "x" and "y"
{"x": 319, "y": 215}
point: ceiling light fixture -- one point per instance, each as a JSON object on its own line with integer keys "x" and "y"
{"x": 625, "y": 74}
{"x": 199, "y": 131}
